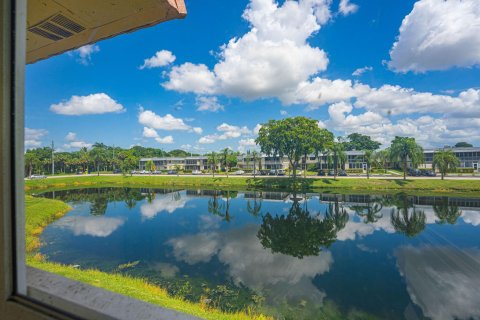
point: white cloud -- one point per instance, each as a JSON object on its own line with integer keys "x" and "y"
{"x": 33, "y": 137}
{"x": 74, "y": 142}
{"x": 346, "y": 8}
{"x": 226, "y": 131}
{"x": 149, "y": 132}
{"x": 442, "y": 281}
{"x": 84, "y": 53}
{"x": 276, "y": 275}
{"x": 190, "y": 77}
{"x": 91, "y": 226}
{"x": 257, "y": 129}
{"x": 243, "y": 144}
{"x": 152, "y": 133}
{"x": 197, "y": 130}
{"x": 471, "y": 216}
{"x": 160, "y": 59}
{"x": 97, "y": 103}
{"x": 205, "y": 103}
{"x": 283, "y": 113}
{"x": 163, "y": 203}
{"x": 167, "y": 122}
{"x": 165, "y": 140}
{"x": 358, "y": 72}
{"x": 438, "y": 35}
{"x": 271, "y": 58}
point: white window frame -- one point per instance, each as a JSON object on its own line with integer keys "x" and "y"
{"x": 44, "y": 295}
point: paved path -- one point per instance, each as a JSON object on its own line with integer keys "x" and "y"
{"x": 282, "y": 177}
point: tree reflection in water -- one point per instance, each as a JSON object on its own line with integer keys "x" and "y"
{"x": 370, "y": 212}
{"x": 406, "y": 218}
{"x": 255, "y": 208}
{"x": 446, "y": 213}
{"x": 299, "y": 233}
{"x": 221, "y": 209}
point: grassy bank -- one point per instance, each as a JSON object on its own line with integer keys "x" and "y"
{"x": 352, "y": 184}
{"x": 39, "y": 212}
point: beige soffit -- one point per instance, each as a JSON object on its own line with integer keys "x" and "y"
{"x": 56, "y": 26}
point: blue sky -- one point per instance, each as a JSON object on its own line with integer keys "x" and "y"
{"x": 381, "y": 68}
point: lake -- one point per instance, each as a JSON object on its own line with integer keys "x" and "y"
{"x": 287, "y": 254}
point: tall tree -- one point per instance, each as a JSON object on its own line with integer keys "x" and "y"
{"x": 463, "y": 144}
{"x": 255, "y": 157}
{"x": 381, "y": 158}
{"x": 98, "y": 156}
{"x": 357, "y": 141}
{"x": 212, "y": 159}
{"x": 290, "y": 137}
{"x": 31, "y": 160}
{"x": 368, "y": 158}
{"x": 445, "y": 160}
{"x": 404, "y": 149}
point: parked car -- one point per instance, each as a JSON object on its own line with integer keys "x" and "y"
{"x": 239, "y": 172}
{"x": 342, "y": 173}
{"x": 196, "y": 172}
{"x": 264, "y": 172}
{"x": 117, "y": 171}
{"x": 38, "y": 176}
{"x": 156, "y": 172}
{"x": 429, "y": 173}
{"x": 80, "y": 172}
{"x": 272, "y": 173}
{"x": 280, "y": 172}
{"x": 134, "y": 172}
{"x": 414, "y": 172}
{"x": 172, "y": 172}
{"x": 321, "y": 173}
{"x": 331, "y": 172}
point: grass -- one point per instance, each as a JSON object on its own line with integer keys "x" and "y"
{"x": 284, "y": 183}
{"x": 39, "y": 212}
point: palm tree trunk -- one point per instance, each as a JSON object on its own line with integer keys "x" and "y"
{"x": 405, "y": 168}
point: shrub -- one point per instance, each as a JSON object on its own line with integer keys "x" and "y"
{"x": 354, "y": 170}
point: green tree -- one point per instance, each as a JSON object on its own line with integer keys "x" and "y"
{"x": 381, "y": 159}
{"x": 463, "y": 145}
{"x": 248, "y": 157}
{"x": 256, "y": 207}
{"x": 321, "y": 143}
{"x": 369, "y": 212}
{"x": 290, "y": 137}
{"x": 212, "y": 159}
{"x": 406, "y": 218}
{"x": 368, "y": 157}
{"x": 256, "y": 157}
{"x": 129, "y": 163}
{"x": 357, "y": 141}
{"x": 403, "y": 149}
{"x": 445, "y": 160}
{"x": 31, "y": 160}
{"x": 150, "y": 166}
{"x": 98, "y": 156}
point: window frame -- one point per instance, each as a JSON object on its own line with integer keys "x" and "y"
{"x": 17, "y": 299}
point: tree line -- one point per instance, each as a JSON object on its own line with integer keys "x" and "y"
{"x": 294, "y": 138}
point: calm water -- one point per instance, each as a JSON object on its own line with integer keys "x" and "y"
{"x": 295, "y": 256}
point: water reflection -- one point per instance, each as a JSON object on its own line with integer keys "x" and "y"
{"x": 446, "y": 212}
{"x": 299, "y": 233}
{"x": 443, "y": 281}
{"x": 291, "y": 254}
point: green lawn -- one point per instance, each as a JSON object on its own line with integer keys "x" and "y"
{"x": 39, "y": 212}
{"x": 313, "y": 184}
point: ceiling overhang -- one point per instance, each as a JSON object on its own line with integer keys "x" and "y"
{"x": 57, "y": 26}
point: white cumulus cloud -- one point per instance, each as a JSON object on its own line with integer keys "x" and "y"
{"x": 358, "y": 72}
{"x": 33, "y": 137}
{"x": 84, "y": 54}
{"x": 438, "y": 35}
{"x": 160, "y": 59}
{"x": 96, "y": 103}
{"x": 205, "y": 103}
{"x": 345, "y": 7}
{"x": 74, "y": 142}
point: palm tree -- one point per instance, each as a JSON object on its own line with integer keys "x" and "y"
{"x": 255, "y": 157}
{"x": 213, "y": 160}
{"x": 381, "y": 158}
{"x": 404, "y": 149}
{"x": 214, "y": 206}
{"x": 247, "y": 159}
{"x": 97, "y": 155}
{"x": 84, "y": 158}
{"x": 446, "y": 212}
{"x": 31, "y": 160}
{"x": 445, "y": 160}
{"x": 225, "y": 154}
{"x": 368, "y": 158}
{"x": 406, "y": 221}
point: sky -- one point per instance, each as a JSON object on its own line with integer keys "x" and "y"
{"x": 208, "y": 81}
